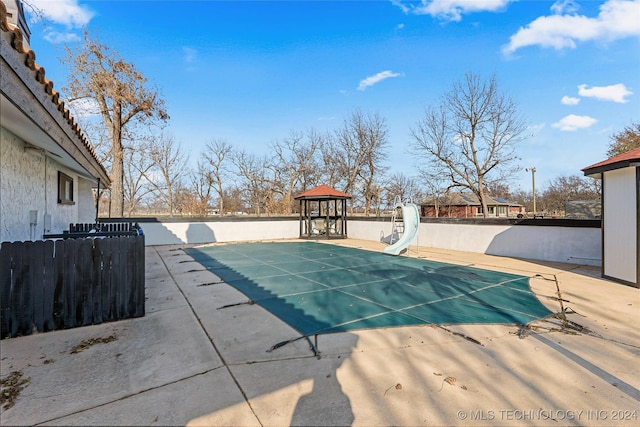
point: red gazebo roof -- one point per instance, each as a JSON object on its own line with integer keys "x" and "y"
{"x": 323, "y": 192}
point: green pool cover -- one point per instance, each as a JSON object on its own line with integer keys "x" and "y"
{"x": 320, "y": 288}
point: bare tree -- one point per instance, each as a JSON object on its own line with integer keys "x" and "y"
{"x": 188, "y": 200}
{"x": 438, "y": 186}
{"x": 202, "y": 182}
{"x": 136, "y": 186}
{"x": 217, "y": 154}
{"x": 473, "y": 134}
{"x": 373, "y": 195}
{"x": 233, "y": 199}
{"x": 310, "y": 157}
{"x": 627, "y": 139}
{"x": 402, "y": 186}
{"x": 567, "y": 188}
{"x": 169, "y": 168}
{"x": 251, "y": 170}
{"x": 332, "y": 163}
{"x": 293, "y": 162}
{"x": 360, "y": 146}
{"x": 123, "y": 97}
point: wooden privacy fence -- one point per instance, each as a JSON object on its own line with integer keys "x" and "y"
{"x": 98, "y": 229}
{"x": 49, "y": 285}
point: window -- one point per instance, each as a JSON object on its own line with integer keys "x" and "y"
{"x": 65, "y": 189}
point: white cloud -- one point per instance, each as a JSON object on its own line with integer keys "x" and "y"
{"x": 377, "y": 78}
{"x": 569, "y": 100}
{"x": 55, "y": 37}
{"x": 572, "y": 123}
{"x": 617, "y": 19}
{"x": 57, "y": 14}
{"x": 451, "y": 10}
{"x": 402, "y": 7}
{"x": 189, "y": 54}
{"x": 564, "y": 6}
{"x": 83, "y": 107}
{"x": 65, "y": 12}
{"x": 534, "y": 130}
{"x": 616, "y": 93}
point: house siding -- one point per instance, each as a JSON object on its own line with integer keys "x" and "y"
{"x": 456, "y": 211}
{"x": 29, "y": 181}
{"x": 620, "y": 222}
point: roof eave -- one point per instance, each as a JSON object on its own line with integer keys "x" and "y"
{"x": 24, "y": 83}
{"x": 596, "y": 172}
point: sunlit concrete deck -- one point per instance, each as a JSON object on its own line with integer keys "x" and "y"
{"x": 189, "y": 361}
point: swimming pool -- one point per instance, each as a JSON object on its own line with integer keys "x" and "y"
{"x": 320, "y": 288}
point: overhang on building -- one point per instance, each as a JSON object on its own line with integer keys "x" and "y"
{"x": 48, "y": 167}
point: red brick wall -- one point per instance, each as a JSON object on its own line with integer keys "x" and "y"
{"x": 450, "y": 211}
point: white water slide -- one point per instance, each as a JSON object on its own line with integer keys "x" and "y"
{"x": 411, "y": 225}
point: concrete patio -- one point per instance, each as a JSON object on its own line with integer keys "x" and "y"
{"x": 191, "y": 361}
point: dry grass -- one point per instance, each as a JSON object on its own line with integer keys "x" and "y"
{"x": 10, "y": 388}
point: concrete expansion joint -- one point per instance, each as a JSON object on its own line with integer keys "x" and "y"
{"x": 128, "y": 396}
{"x": 279, "y": 359}
{"x": 213, "y": 345}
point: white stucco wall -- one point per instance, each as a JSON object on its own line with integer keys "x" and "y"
{"x": 565, "y": 244}
{"x": 18, "y": 195}
{"x": 85, "y": 201}
{"x": 167, "y": 233}
{"x": 29, "y": 181}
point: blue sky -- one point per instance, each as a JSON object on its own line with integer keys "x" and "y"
{"x": 252, "y": 72}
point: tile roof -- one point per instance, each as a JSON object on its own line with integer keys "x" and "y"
{"x": 626, "y": 159}
{"x": 323, "y": 192}
{"x": 18, "y": 44}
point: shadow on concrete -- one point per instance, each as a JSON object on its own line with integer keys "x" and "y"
{"x": 312, "y": 381}
{"x": 327, "y": 403}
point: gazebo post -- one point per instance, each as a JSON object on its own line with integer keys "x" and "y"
{"x": 300, "y": 219}
{"x": 307, "y": 212}
{"x": 326, "y": 219}
{"x": 344, "y": 218}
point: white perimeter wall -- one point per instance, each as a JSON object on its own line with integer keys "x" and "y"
{"x": 574, "y": 245}
{"x": 169, "y": 233}
{"x": 565, "y": 244}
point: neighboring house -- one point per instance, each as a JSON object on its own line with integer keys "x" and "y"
{"x": 620, "y": 216}
{"x": 467, "y": 205}
{"x": 48, "y": 169}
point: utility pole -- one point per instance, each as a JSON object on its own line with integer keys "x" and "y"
{"x": 533, "y": 186}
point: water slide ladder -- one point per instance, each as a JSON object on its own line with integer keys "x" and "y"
{"x": 397, "y": 223}
{"x": 405, "y": 229}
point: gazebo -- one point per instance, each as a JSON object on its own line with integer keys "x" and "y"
{"x": 323, "y": 213}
